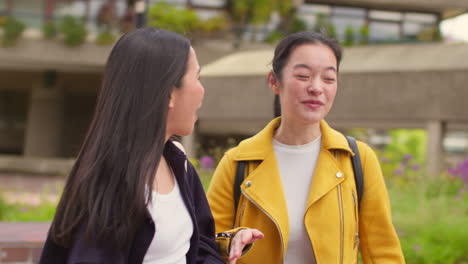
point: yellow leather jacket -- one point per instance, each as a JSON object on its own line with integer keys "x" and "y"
{"x": 335, "y": 226}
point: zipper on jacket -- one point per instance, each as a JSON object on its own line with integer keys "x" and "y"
{"x": 356, "y": 232}
{"x": 241, "y": 214}
{"x": 340, "y": 203}
{"x": 271, "y": 218}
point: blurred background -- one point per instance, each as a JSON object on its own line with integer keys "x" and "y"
{"x": 403, "y": 89}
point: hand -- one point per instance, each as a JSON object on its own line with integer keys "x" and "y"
{"x": 240, "y": 240}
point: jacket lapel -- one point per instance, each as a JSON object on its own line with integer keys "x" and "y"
{"x": 328, "y": 173}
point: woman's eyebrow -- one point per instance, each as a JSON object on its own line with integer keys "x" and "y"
{"x": 309, "y": 68}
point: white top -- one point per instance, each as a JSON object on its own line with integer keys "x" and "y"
{"x": 296, "y": 164}
{"x": 174, "y": 228}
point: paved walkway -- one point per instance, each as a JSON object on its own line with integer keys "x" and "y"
{"x": 23, "y": 233}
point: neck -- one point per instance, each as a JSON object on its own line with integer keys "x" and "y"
{"x": 293, "y": 133}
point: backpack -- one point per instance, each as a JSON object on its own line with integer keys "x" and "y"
{"x": 357, "y": 169}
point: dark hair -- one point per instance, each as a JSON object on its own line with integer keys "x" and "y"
{"x": 285, "y": 48}
{"x": 106, "y": 191}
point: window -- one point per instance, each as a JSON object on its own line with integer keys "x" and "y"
{"x": 209, "y": 3}
{"x": 384, "y": 31}
{"x": 385, "y": 15}
{"x": 343, "y": 17}
{"x": 309, "y": 13}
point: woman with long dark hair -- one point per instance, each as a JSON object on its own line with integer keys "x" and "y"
{"x": 132, "y": 195}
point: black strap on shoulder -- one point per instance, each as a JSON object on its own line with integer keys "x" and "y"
{"x": 237, "y": 183}
{"x": 357, "y": 168}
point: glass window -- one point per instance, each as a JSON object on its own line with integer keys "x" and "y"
{"x": 174, "y": 2}
{"x": 385, "y": 15}
{"x": 350, "y": 12}
{"x": 209, "y": 3}
{"x": 28, "y": 12}
{"x": 341, "y": 23}
{"x": 412, "y": 29}
{"x": 314, "y": 9}
{"x": 384, "y": 31}
{"x": 422, "y": 18}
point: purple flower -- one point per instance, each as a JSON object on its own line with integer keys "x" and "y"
{"x": 399, "y": 171}
{"x": 460, "y": 171}
{"x": 207, "y": 162}
{"x": 407, "y": 157}
{"x": 385, "y": 160}
{"x": 417, "y": 247}
{"x": 458, "y": 197}
{"x": 23, "y": 210}
{"x": 415, "y": 167}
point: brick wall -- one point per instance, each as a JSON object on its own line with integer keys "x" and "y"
{"x": 21, "y": 243}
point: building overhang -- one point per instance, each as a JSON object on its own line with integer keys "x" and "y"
{"x": 445, "y": 8}
{"x": 360, "y": 59}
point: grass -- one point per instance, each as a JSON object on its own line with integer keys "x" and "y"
{"x": 26, "y": 213}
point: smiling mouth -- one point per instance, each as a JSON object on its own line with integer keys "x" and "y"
{"x": 313, "y": 103}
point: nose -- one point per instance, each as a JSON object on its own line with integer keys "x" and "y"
{"x": 315, "y": 86}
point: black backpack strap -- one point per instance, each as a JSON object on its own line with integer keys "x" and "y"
{"x": 237, "y": 183}
{"x": 357, "y": 168}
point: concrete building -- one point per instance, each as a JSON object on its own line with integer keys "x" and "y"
{"x": 47, "y": 90}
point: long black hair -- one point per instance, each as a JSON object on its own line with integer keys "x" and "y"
{"x": 106, "y": 191}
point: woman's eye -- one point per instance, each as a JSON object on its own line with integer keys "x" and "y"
{"x": 330, "y": 79}
{"x": 304, "y": 77}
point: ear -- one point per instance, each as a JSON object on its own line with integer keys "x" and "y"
{"x": 172, "y": 99}
{"x": 273, "y": 82}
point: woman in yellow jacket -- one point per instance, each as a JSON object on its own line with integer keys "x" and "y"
{"x": 299, "y": 187}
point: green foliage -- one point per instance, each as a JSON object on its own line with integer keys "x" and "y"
{"x": 274, "y": 37}
{"x": 166, "y": 16}
{"x": 74, "y": 30}
{"x": 26, "y": 213}
{"x": 214, "y": 24}
{"x": 105, "y": 38}
{"x": 364, "y": 35}
{"x": 349, "y": 36}
{"x": 297, "y": 25}
{"x": 404, "y": 156}
{"x": 12, "y": 31}
{"x": 331, "y": 30}
{"x": 325, "y": 26}
{"x": 430, "y": 216}
{"x": 430, "y": 34}
{"x": 49, "y": 30}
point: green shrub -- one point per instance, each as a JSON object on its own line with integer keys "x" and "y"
{"x": 364, "y": 35}
{"x": 105, "y": 38}
{"x": 73, "y": 30}
{"x": 49, "y": 30}
{"x": 214, "y": 24}
{"x": 297, "y": 25}
{"x": 349, "y": 36}
{"x": 274, "y": 37}
{"x": 166, "y": 16}
{"x": 12, "y": 31}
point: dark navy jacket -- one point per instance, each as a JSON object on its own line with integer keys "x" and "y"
{"x": 203, "y": 249}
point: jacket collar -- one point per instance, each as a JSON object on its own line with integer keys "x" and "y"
{"x": 260, "y": 145}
